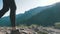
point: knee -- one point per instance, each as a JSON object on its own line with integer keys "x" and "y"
{"x": 13, "y": 8}
{"x": 5, "y": 9}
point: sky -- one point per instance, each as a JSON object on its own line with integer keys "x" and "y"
{"x": 25, "y": 5}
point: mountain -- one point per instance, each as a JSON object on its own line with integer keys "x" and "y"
{"x": 41, "y": 15}
{"x": 21, "y": 17}
{"x": 46, "y": 17}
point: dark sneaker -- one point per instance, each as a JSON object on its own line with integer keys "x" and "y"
{"x": 15, "y": 32}
{"x": 6, "y": 32}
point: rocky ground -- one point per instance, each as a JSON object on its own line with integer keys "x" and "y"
{"x": 31, "y": 30}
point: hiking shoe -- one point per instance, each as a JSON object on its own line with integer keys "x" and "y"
{"x": 15, "y": 32}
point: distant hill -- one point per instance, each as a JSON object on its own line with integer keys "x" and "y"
{"x": 47, "y": 15}
{"x": 21, "y": 17}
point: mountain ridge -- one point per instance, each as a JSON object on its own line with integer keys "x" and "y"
{"x": 24, "y": 18}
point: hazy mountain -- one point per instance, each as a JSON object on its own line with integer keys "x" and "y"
{"x": 41, "y": 15}
{"x": 21, "y": 17}
{"x": 46, "y": 17}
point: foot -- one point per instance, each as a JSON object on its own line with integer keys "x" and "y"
{"x": 15, "y": 32}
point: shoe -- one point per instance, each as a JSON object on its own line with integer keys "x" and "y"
{"x": 15, "y": 32}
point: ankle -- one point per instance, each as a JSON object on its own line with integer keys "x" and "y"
{"x": 13, "y": 28}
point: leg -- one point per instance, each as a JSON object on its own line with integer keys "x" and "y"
{"x": 12, "y": 18}
{"x": 12, "y": 13}
{"x": 4, "y": 9}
